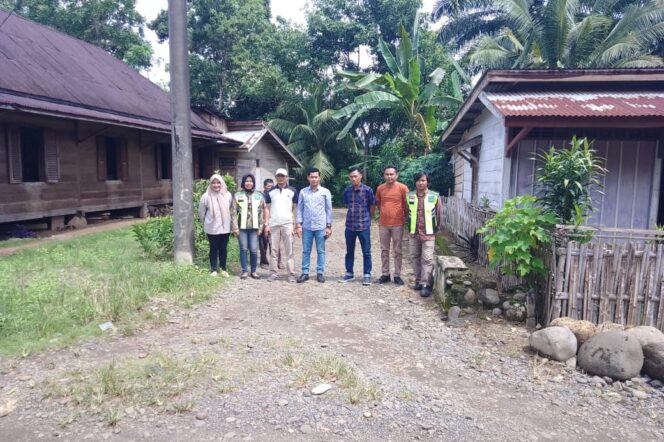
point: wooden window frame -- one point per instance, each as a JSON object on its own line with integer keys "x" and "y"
{"x": 159, "y": 150}
{"x": 122, "y": 159}
{"x": 49, "y": 155}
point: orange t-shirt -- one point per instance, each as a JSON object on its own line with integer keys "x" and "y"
{"x": 391, "y": 202}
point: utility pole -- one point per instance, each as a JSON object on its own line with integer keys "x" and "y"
{"x": 183, "y": 170}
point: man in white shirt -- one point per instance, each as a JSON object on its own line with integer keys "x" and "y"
{"x": 281, "y": 202}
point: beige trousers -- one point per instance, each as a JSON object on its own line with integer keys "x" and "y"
{"x": 421, "y": 258}
{"x": 282, "y": 235}
{"x": 391, "y": 236}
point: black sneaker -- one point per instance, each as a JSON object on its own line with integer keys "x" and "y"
{"x": 398, "y": 280}
{"x": 383, "y": 279}
{"x": 303, "y": 277}
{"x": 426, "y": 291}
{"x": 320, "y": 277}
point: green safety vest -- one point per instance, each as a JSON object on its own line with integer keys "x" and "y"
{"x": 243, "y": 205}
{"x": 430, "y": 202}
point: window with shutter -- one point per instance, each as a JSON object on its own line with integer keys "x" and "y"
{"x": 51, "y": 156}
{"x": 14, "y": 155}
{"x": 32, "y": 154}
{"x": 101, "y": 158}
{"x": 163, "y": 161}
{"x": 123, "y": 159}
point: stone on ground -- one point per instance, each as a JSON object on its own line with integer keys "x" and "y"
{"x": 616, "y": 354}
{"x": 653, "y": 365}
{"x": 489, "y": 296}
{"x": 320, "y": 389}
{"x": 583, "y": 330}
{"x": 470, "y": 297}
{"x": 453, "y": 313}
{"x": 647, "y": 335}
{"x": 558, "y": 343}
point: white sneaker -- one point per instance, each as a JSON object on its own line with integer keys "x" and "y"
{"x": 213, "y": 274}
{"x": 225, "y": 274}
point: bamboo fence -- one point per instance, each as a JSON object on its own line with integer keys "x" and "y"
{"x": 616, "y": 277}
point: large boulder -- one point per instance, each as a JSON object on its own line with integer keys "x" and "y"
{"x": 647, "y": 335}
{"x": 583, "y": 330}
{"x": 489, "y": 297}
{"x": 609, "y": 326}
{"x": 557, "y": 343}
{"x": 653, "y": 365}
{"x": 616, "y": 354}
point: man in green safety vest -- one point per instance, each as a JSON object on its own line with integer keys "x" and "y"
{"x": 424, "y": 216}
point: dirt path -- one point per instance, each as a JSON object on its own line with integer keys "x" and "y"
{"x": 257, "y": 349}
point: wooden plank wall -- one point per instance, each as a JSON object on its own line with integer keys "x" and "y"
{"x": 625, "y": 201}
{"x": 611, "y": 280}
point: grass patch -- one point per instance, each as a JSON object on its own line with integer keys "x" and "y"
{"x": 330, "y": 369}
{"x": 442, "y": 248}
{"x": 159, "y": 380}
{"x": 56, "y": 293}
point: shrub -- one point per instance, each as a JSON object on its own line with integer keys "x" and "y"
{"x": 514, "y": 234}
{"x": 156, "y": 235}
{"x": 566, "y": 179}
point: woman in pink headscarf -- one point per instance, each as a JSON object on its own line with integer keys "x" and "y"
{"x": 215, "y": 210}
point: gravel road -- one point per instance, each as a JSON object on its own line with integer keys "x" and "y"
{"x": 247, "y": 360}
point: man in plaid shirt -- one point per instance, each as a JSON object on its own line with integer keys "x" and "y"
{"x": 359, "y": 199}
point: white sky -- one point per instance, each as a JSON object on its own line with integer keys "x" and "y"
{"x": 290, "y": 9}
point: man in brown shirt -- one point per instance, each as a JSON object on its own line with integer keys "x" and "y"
{"x": 391, "y": 202}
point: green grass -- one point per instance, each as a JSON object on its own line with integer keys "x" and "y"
{"x": 54, "y": 294}
{"x": 160, "y": 380}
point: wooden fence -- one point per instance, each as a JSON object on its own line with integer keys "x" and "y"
{"x": 616, "y": 277}
{"x": 463, "y": 219}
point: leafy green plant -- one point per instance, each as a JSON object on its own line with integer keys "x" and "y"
{"x": 514, "y": 234}
{"x": 566, "y": 179}
{"x": 156, "y": 235}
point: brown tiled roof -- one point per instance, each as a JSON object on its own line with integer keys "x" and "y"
{"x": 45, "y": 71}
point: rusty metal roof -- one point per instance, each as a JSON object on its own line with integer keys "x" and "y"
{"x": 45, "y": 71}
{"x": 563, "y": 82}
{"x": 578, "y": 104}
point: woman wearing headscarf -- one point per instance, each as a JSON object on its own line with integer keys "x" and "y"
{"x": 214, "y": 210}
{"x": 248, "y": 224}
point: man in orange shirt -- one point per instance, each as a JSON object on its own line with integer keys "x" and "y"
{"x": 391, "y": 203}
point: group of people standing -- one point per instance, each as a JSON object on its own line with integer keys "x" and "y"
{"x": 273, "y": 217}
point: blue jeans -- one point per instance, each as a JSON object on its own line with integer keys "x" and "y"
{"x": 248, "y": 241}
{"x": 365, "y": 243}
{"x": 308, "y": 237}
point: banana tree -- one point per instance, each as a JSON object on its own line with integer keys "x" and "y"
{"x": 402, "y": 90}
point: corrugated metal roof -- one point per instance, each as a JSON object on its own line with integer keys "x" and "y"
{"x": 58, "y": 73}
{"x": 579, "y": 104}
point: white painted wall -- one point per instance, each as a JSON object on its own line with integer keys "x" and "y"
{"x": 269, "y": 158}
{"x": 494, "y": 169}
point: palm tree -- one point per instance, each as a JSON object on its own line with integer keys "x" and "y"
{"x": 563, "y": 33}
{"x": 312, "y": 132}
{"x": 401, "y": 90}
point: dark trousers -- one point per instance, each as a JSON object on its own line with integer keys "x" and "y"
{"x": 264, "y": 247}
{"x": 218, "y": 250}
{"x": 365, "y": 242}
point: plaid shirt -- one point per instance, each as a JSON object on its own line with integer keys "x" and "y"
{"x": 359, "y": 201}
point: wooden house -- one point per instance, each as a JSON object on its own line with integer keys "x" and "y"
{"x": 512, "y": 115}
{"x": 82, "y": 131}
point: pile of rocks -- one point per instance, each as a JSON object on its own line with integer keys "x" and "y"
{"x": 606, "y": 350}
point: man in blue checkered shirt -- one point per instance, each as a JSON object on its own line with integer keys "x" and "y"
{"x": 360, "y": 201}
